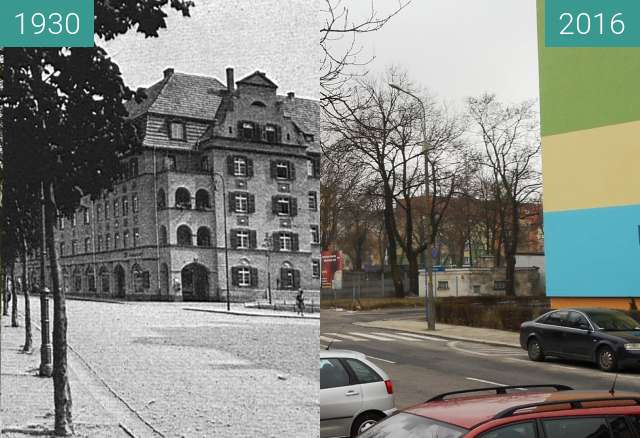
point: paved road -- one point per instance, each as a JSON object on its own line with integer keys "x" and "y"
{"x": 197, "y": 374}
{"x": 424, "y": 366}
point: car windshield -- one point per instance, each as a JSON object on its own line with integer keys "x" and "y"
{"x": 613, "y": 321}
{"x": 405, "y": 425}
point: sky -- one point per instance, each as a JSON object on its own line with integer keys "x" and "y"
{"x": 278, "y": 37}
{"x": 458, "y": 48}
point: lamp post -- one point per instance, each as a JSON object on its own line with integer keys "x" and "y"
{"x": 430, "y": 307}
{"x": 46, "y": 349}
{"x": 268, "y": 244}
{"x": 226, "y": 237}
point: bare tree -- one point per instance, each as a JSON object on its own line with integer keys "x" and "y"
{"x": 510, "y": 141}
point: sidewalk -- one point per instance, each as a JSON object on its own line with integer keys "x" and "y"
{"x": 27, "y": 400}
{"x": 242, "y": 310}
{"x": 454, "y": 332}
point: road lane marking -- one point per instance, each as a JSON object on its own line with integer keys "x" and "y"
{"x": 380, "y": 359}
{"x": 327, "y": 339}
{"x": 428, "y": 338}
{"x": 351, "y": 338}
{"x": 377, "y": 338}
{"x": 396, "y": 336}
{"x": 489, "y": 382}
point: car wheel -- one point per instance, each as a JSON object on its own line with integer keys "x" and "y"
{"x": 365, "y": 422}
{"x": 535, "y": 350}
{"x": 607, "y": 360}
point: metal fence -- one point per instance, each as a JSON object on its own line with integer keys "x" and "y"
{"x": 356, "y": 285}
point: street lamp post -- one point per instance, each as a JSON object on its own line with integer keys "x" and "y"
{"x": 430, "y": 306}
{"x": 268, "y": 244}
{"x": 46, "y": 349}
{"x": 226, "y": 238}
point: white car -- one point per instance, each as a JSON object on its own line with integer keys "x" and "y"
{"x": 354, "y": 394}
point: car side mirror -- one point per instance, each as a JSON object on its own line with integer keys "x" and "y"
{"x": 583, "y": 326}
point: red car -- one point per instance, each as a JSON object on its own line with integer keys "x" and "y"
{"x": 529, "y": 411}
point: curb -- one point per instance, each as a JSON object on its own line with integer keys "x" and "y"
{"x": 235, "y": 312}
{"x": 99, "y": 300}
{"x": 451, "y": 338}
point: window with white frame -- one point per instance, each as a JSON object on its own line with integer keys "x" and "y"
{"x": 239, "y": 166}
{"x": 244, "y": 277}
{"x": 309, "y": 168}
{"x": 85, "y": 213}
{"x": 177, "y": 131}
{"x": 270, "y": 132}
{"x": 242, "y": 238}
{"x": 242, "y": 203}
{"x": 247, "y": 130}
{"x": 282, "y": 170}
{"x": 315, "y": 234}
{"x": 316, "y": 268}
{"x": 285, "y": 242}
{"x": 443, "y": 285}
{"x": 313, "y": 201}
{"x": 283, "y": 206}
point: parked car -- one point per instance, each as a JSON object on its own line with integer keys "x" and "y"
{"x": 609, "y": 338}
{"x": 539, "y": 411}
{"x": 354, "y": 394}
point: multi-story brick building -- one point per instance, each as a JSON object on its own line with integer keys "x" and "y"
{"x": 223, "y": 169}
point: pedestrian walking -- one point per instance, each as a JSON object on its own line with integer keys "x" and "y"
{"x": 300, "y": 302}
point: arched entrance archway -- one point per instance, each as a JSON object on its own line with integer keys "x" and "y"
{"x": 195, "y": 282}
{"x": 119, "y": 281}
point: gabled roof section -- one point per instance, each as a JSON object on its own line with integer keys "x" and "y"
{"x": 258, "y": 79}
{"x": 305, "y": 113}
{"x": 181, "y": 95}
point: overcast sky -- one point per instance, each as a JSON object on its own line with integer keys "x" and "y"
{"x": 279, "y": 37}
{"x": 459, "y": 48}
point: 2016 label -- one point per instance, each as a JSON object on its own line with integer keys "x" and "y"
{"x": 582, "y": 24}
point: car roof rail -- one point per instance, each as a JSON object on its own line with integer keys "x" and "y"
{"x": 498, "y": 390}
{"x": 573, "y": 403}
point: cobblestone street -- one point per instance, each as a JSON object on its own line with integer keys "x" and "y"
{"x": 197, "y": 374}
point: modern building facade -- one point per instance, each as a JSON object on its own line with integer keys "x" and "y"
{"x": 224, "y": 191}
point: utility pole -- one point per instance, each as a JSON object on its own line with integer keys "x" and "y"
{"x": 46, "y": 349}
{"x": 430, "y": 305}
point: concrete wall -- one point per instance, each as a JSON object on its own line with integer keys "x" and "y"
{"x": 480, "y": 281}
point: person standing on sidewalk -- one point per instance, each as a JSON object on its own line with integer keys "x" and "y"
{"x": 300, "y": 302}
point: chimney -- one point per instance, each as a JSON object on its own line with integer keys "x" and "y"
{"x": 291, "y": 95}
{"x": 168, "y": 72}
{"x": 230, "y": 82}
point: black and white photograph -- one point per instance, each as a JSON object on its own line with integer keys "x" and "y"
{"x": 161, "y": 225}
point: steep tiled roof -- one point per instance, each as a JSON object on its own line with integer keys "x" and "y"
{"x": 181, "y": 95}
{"x": 305, "y": 113}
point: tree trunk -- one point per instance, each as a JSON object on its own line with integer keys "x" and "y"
{"x": 414, "y": 275}
{"x": 28, "y": 339}
{"x": 5, "y": 293}
{"x": 389, "y": 224}
{"x": 511, "y": 249}
{"x": 14, "y": 297}
{"x": 61, "y": 388}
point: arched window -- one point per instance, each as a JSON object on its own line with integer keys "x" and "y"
{"x": 184, "y": 236}
{"x": 202, "y": 199}
{"x": 204, "y": 236}
{"x": 163, "y": 235}
{"x": 183, "y": 198}
{"x": 104, "y": 280}
{"x": 162, "y": 199}
{"x": 91, "y": 279}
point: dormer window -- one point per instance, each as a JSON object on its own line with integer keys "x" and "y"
{"x": 247, "y": 130}
{"x": 270, "y": 133}
{"x": 177, "y": 131}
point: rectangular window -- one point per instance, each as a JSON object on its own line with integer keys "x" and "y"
{"x": 443, "y": 285}
{"x": 61, "y": 225}
{"x": 86, "y": 216}
{"x": 136, "y": 237}
{"x": 313, "y": 201}
{"x": 309, "y": 168}
{"x": 270, "y": 132}
{"x": 204, "y": 164}
{"x": 99, "y": 212}
{"x": 107, "y": 242}
{"x": 316, "y": 268}
{"x": 125, "y": 206}
{"x": 244, "y": 277}
{"x": 170, "y": 162}
{"x": 87, "y": 245}
{"x": 282, "y": 170}
{"x": 116, "y": 208}
{"x": 61, "y": 249}
{"x": 242, "y": 238}
{"x": 283, "y": 207}
{"x": 499, "y": 285}
{"x": 285, "y": 242}
{"x": 134, "y": 202}
{"x": 99, "y": 243}
{"x": 106, "y": 210}
{"x": 239, "y": 166}
{"x": 177, "y": 131}
{"x": 247, "y": 130}
{"x": 73, "y": 220}
{"x": 74, "y": 247}
{"x": 116, "y": 240}
{"x": 125, "y": 239}
{"x": 315, "y": 234}
{"x": 242, "y": 203}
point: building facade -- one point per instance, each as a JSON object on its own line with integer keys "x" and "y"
{"x": 224, "y": 191}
